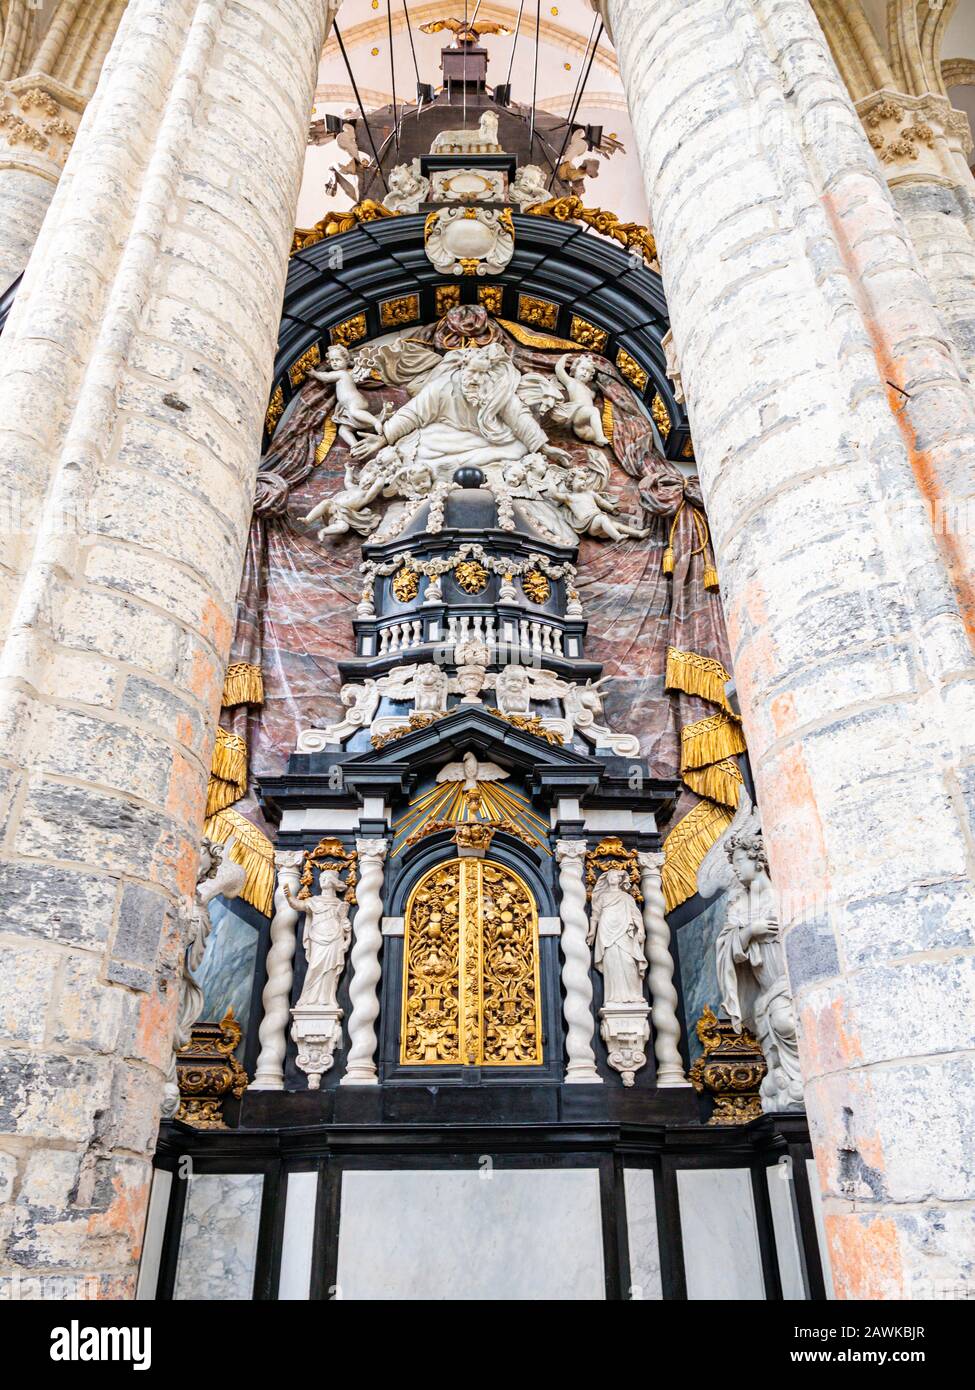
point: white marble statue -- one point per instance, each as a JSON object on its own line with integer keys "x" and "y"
{"x": 481, "y": 139}
{"x": 590, "y": 509}
{"x": 430, "y": 686}
{"x": 408, "y": 188}
{"x": 469, "y": 772}
{"x": 468, "y": 412}
{"x": 513, "y": 689}
{"x": 618, "y": 933}
{"x": 349, "y": 509}
{"x": 528, "y": 187}
{"x": 578, "y": 411}
{"x": 750, "y": 956}
{"x": 326, "y": 938}
{"x": 351, "y": 413}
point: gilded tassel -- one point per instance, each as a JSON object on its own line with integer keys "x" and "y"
{"x": 696, "y": 674}
{"x": 685, "y": 848}
{"x": 710, "y": 740}
{"x": 252, "y": 850}
{"x": 711, "y": 579}
{"x": 242, "y": 685}
{"x": 668, "y": 560}
{"x": 720, "y": 782}
{"x": 228, "y": 771}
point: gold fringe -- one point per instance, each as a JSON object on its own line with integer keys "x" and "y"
{"x": 527, "y": 338}
{"x": 252, "y": 850}
{"x": 709, "y": 741}
{"x": 228, "y": 772}
{"x": 609, "y": 423}
{"x": 242, "y": 685}
{"x": 697, "y": 675}
{"x": 327, "y": 440}
{"x": 719, "y": 782}
{"x": 685, "y": 848}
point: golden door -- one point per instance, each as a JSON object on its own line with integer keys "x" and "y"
{"x": 470, "y": 975}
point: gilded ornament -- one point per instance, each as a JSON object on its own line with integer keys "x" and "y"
{"x": 330, "y": 853}
{"x": 491, "y": 297}
{"x": 394, "y": 313}
{"x": 630, "y": 369}
{"x": 406, "y": 585}
{"x": 207, "y": 1072}
{"x": 349, "y": 331}
{"x": 471, "y": 576}
{"x": 540, "y": 313}
{"x": 611, "y": 853}
{"x": 416, "y": 721}
{"x": 471, "y": 989}
{"x": 536, "y": 586}
{"x": 731, "y": 1069}
{"x": 275, "y": 409}
{"x": 302, "y": 365}
{"x": 661, "y": 416}
{"x": 335, "y": 223}
{"x": 632, "y": 235}
{"x": 445, "y": 298}
{"x": 530, "y": 724}
{"x": 587, "y": 335}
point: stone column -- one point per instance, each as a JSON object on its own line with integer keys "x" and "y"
{"x": 831, "y": 425}
{"x": 663, "y": 995}
{"x": 367, "y": 940}
{"x": 43, "y": 97}
{"x": 276, "y": 999}
{"x": 577, "y": 959}
{"x": 136, "y": 370}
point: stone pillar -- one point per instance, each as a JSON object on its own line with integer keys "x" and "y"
{"x": 663, "y": 995}
{"x": 577, "y": 959}
{"x": 137, "y": 371}
{"x": 276, "y": 999}
{"x": 367, "y": 940}
{"x": 43, "y": 96}
{"x": 831, "y": 428}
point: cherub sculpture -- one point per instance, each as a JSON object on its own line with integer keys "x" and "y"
{"x": 578, "y": 410}
{"x": 408, "y": 188}
{"x": 351, "y": 414}
{"x": 593, "y": 512}
{"x": 528, "y": 187}
{"x": 349, "y": 510}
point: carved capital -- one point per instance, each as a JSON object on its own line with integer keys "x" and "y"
{"x": 374, "y": 849}
{"x": 571, "y": 852}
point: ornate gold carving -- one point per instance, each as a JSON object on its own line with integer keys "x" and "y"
{"x": 35, "y": 98}
{"x": 349, "y": 331}
{"x": 447, "y": 805}
{"x": 530, "y": 724}
{"x": 474, "y": 834}
{"x": 661, "y": 416}
{"x": 334, "y": 223}
{"x": 329, "y": 432}
{"x": 688, "y": 450}
{"x": 393, "y": 313}
{"x": 330, "y": 853}
{"x": 537, "y": 586}
{"x": 207, "y": 1072}
{"x": 491, "y": 297}
{"x": 302, "y": 365}
{"x": 21, "y": 132}
{"x": 471, "y": 992}
{"x": 731, "y": 1068}
{"x": 417, "y": 721}
{"x": 629, "y": 234}
{"x": 630, "y": 369}
{"x": 275, "y": 409}
{"x": 406, "y": 585}
{"x": 587, "y": 335}
{"x": 611, "y": 853}
{"x": 540, "y": 313}
{"x": 527, "y": 338}
{"x": 446, "y": 297}
{"x": 471, "y": 576}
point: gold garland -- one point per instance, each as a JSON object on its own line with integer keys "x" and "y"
{"x": 242, "y": 685}
{"x": 709, "y": 740}
{"x": 686, "y": 846}
{"x": 334, "y": 223}
{"x": 629, "y": 234}
{"x": 720, "y": 782}
{"x": 697, "y": 675}
{"x": 228, "y": 771}
{"x": 252, "y": 850}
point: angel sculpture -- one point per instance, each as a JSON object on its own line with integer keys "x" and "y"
{"x": 469, "y": 772}
{"x": 578, "y": 410}
{"x": 345, "y": 139}
{"x": 351, "y": 414}
{"x": 528, "y": 187}
{"x": 349, "y": 510}
{"x": 591, "y": 511}
{"x": 574, "y": 169}
{"x": 463, "y": 30}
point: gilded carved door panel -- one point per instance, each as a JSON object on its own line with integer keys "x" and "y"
{"x": 471, "y": 993}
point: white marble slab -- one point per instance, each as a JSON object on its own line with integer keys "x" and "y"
{"x": 218, "y": 1245}
{"x": 473, "y": 1234}
{"x": 299, "y": 1236}
{"x": 722, "y": 1259}
{"x": 641, "y": 1228}
{"x": 785, "y": 1225}
{"x": 152, "y": 1241}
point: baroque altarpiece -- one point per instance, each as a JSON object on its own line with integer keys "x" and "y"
{"x": 484, "y": 995}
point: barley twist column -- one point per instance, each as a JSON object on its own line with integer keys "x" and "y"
{"x": 576, "y": 980}
{"x": 364, "y": 989}
{"x": 663, "y": 995}
{"x": 276, "y": 999}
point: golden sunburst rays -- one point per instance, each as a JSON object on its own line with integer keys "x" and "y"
{"x": 449, "y": 804}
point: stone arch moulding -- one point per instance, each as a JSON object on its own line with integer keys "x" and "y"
{"x": 588, "y": 279}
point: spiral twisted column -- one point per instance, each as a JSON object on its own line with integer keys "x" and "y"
{"x": 663, "y": 994}
{"x": 276, "y": 999}
{"x": 576, "y": 980}
{"x": 364, "y": 989}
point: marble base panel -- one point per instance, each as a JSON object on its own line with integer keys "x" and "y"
{"x": 218, "y": 1247}
{"x": 483, "y": 1233}
{"x": 641, "y": 1228}
{"x": 722, "y": 1259}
